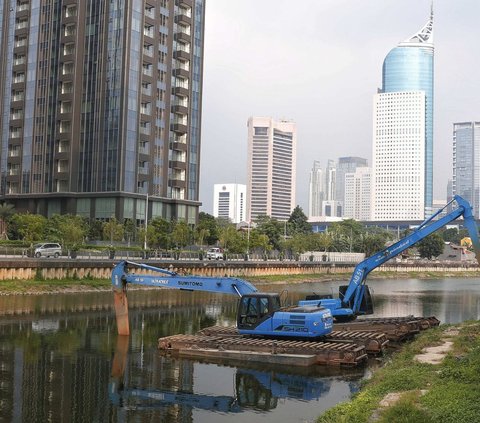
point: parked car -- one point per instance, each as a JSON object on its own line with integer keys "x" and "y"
{"x": 47, "y": 249}
{"x": 214, "y": 254}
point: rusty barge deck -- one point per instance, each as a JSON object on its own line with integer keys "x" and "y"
{"x": 348, "y": 344}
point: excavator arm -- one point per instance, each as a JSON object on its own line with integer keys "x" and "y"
{"x": 349, "y": 304}
{"x": 428, "y": 227}
{"x": 124, "y": 274}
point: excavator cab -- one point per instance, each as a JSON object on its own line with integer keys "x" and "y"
{"x": 256, "y": 308}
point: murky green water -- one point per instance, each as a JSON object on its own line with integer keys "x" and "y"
{"x": 58, "y": 352}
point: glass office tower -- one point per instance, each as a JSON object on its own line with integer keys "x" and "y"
{"x": 409, "y": 67}
{"x": 101, "y": 107}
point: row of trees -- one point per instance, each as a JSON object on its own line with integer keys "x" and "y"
{"x": 266, "y": 234}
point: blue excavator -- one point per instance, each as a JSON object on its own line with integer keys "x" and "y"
{"x": 261, "y": 314}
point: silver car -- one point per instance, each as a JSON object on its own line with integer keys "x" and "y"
{"x": 47, "y": 249}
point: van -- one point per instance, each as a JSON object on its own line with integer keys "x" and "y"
{"x": 47, "y": 249}
{"x": 214, "y": 254}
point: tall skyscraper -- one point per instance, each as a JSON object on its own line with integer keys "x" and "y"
{"x": 466, "y": 163}
{"x": 230, "y": 202}
{"x": 346, "y": 165}
{"x": 357, "y": 203}
{"x": 101, "y": 107}
{"x": 330, "y": 181}
{"x": 271, "y": 167}
{"x": 403, "y": 131}
{"x": 315, "y": 194}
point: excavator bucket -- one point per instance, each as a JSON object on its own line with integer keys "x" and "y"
{"x": 121, "y": 311}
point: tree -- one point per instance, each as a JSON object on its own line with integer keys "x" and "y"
{"x": 67, "y": 229}
{"x": 372, "y": 243}
{"x": 272, "y": 228}
{"x": 431, "y": 246}
{"x": 232, "y": 240}
{"x": 451, "y": 235}
{"x": 298, "y": 223}
{"x": 181, "y": 234}
{"x": 208, "y": 223}
{"x": 113, "y": 230}
{"x": 31, "y": 227}
{"x": 6, "y": 211}
{"x": 321, "y": 242}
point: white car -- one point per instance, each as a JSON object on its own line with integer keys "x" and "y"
{"x": 215, "y": 254}
{"x": 49, "y": 249}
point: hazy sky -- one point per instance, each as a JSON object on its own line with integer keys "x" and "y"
{"x": 319, "y": 63}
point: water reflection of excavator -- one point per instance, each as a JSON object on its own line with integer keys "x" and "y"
{"x": 254, "y": 389}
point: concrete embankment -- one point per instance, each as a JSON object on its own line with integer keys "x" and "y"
{"x": 30, "y": 269}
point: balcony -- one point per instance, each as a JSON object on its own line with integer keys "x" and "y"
{"x": 22, "y": 7}
{"x": 184, "y": 16}
{"x": 182, "y": 37}
{"x": 176, "y": 183}
{"x": 18, "y": 96}
{"x": 19, "y": 78}
{"x": 184, "y": 3}
{"x": 148, "y": 31}
{"x": 181, "y": 54}
{"x": 147, "y": 70}
{"x": 181, "y": 72}
{"x": 180, "y": 109}
{"x": 70, "y": 31}
{"x": 181, "y": 91}
{"x": 150, "y": 12}
{"x": 19, "y": 60}
{"x": 180, "y": 125}
{"x": 175, "y": 164}
{"x": 20, "y": 42}
{"x": 21, "y": 24}
{"x": 17, "y": 115}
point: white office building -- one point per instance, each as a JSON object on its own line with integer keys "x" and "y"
{"x": 357, "y": 194}
{"x": 398, "y": 164}
{"x": 315, "y": 193}
{"x": 230, "y": 202}
{"x": 271, "y": 167}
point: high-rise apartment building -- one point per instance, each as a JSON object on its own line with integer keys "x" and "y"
{"x": 271, "y": 167}
{"x": 403, "y": 131}
{"x": 230, "y": 202}
{"x": 466, "y": 163}
{"x": 101, "y": 107}
{"x": 346, "y": 165}
{"x": 315, "y": 193}
{"x": 357, "y": 201}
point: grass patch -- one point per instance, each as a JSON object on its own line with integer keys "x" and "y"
{"x": 453, "y": 387}
{"x": 42, "y": 285}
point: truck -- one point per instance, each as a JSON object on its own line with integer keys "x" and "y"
{"x": 262, "y": 314}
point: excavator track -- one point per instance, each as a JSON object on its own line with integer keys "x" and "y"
{"x": 270, "y": 350}
{"x": 374, "y": 343}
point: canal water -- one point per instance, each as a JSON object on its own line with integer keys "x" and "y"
{"x": 61, "y": 360}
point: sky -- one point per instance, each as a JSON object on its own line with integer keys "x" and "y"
{"x": 319, "y": 63}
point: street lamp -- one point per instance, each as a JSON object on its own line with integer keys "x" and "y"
{"x": 146, "y": 223}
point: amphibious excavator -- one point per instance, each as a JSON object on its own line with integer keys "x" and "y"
{"x": 261, "y": 314}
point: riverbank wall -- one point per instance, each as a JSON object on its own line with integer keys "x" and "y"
{"x": 31, "y": 269}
